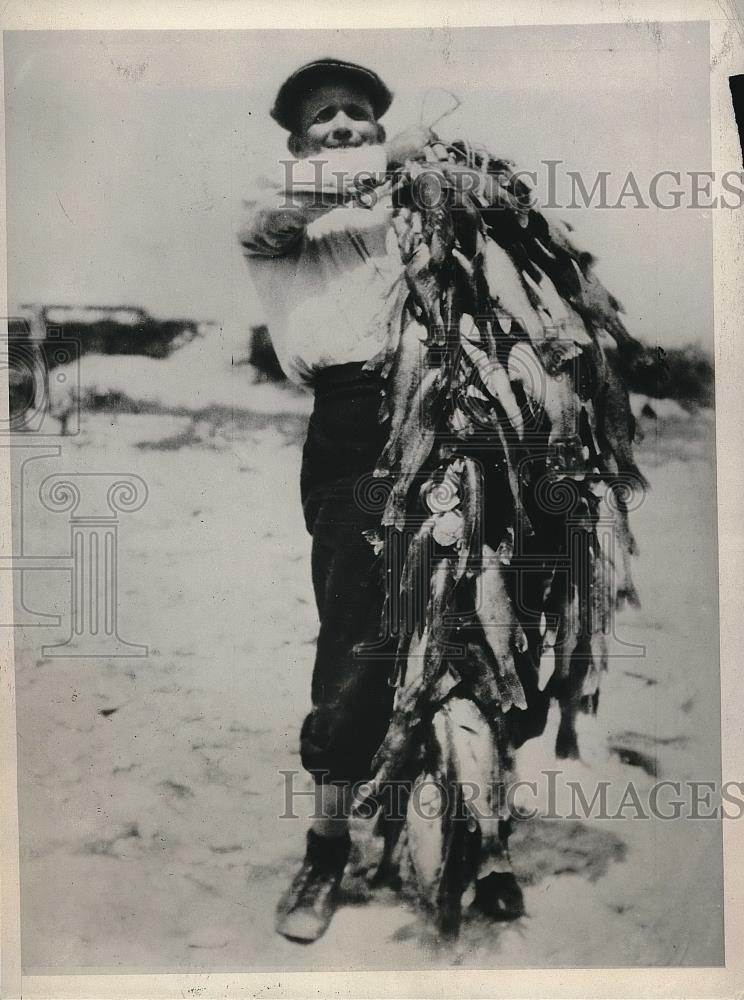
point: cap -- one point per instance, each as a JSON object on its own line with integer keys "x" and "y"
{"x": 321, "y": 71}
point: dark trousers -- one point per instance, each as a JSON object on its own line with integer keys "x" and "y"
{"x": 351, "y": 694}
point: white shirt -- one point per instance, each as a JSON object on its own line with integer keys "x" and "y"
{"x": 330, "y": 281}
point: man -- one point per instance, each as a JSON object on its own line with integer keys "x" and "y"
{"x": 328, "y": 274}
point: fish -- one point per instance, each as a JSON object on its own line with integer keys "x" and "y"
{"x": 496, "y": 381}
{"x": 489, "y": 276}
{"x": 470, "y": 743}
{"x": 427, "y": 256}
{"x": 499, "y": 190}
{"x": 575, "y": 279}
{"x": 404, "y": 232}
{"x": 424, "y": 645}
{"x": 395, "y": 753}
{"x": 439, "y": 617}
{"x": 398, "y": 317}
{"x": 615, "y": 500}
{"x": 426, "y": 289}
{"x": 395, "y": 757}
{"x": 521, "y": 516}
{"x": 416, "y": 440}
{"x": 542, "y": 369}
{"x": 617, "y": 423}
{"x": 426, "y": 827}
{"x": 480, "y": 671}
{"x": 471, "y": 489}
{"x": 555, "y": 233}
{"x": 402, "y": 388}
{"x": 507, "y": 291}
{"x": 432, "y": 193}
{"x": 416, "y": 580}
{"x": 419, "y": 681}
{"x": 411, "y": 673}
{"x": 467, "y": 224}
{"x": 462, "y": 757}
{"x": 581, "y": 649}
{"x": 500, "y": 626}
{"x": 553, "y": 255}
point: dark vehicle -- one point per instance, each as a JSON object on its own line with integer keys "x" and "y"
{"x": 43, "y": 338}
{"x": 115, "y": 329}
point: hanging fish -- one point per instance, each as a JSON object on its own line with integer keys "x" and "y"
{"x": 463, "y": 754}
{"x": 507, "y": 290}
{"x": 468, "y": 225}
{"x": 499, "y": 623}
{"x": 402, "y": 391}
{"x": 471, "y": 743}
{"x": 416, "y": 580}
{"x": 508, "y": 303}
{"x": 431, "y": 193}
{"x": 617, "y": 423}
{"x": 439, "y": 614}
{"x": 496, "y": 381}
{"x": 493, "y": 692}
{"x": 544, "y": 369}
{"x": 426, "y": 290}
{"x": 426, "y": 823}
{"x": 471, "y": 488}
{"x": 415, "y": 442}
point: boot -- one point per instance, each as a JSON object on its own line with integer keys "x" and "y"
{"x": 305, "y": 910}
{"x": 499, "y": 897}
{"x": 497, "y": 894}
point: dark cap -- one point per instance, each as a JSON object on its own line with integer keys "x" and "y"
{"x": 323, "y": 71}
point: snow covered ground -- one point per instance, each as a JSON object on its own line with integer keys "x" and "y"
{"x": 150, "y": 789}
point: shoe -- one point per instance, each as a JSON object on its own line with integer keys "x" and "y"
{"x": 499, "y": 897}
{"x": 305, "y": 910}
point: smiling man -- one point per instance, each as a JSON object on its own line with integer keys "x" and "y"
{"x": 325, "y": 269}
{"x": 329, "y": 274}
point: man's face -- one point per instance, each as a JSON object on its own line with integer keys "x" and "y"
{"x": 336, "y": 116}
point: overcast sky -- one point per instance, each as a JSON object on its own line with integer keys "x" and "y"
{"x": 127, "y": 152}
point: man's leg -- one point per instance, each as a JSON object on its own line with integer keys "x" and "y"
{"x": 335, "y": 805}
{"x": 352, "y": 703}
{"x": 351, "y": 695}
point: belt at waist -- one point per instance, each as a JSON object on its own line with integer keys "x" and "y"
{"x": 346, "y": 410}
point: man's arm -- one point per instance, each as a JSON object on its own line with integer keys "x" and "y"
{"x": 270, "y": 227}
{"x": 275, "y": 220}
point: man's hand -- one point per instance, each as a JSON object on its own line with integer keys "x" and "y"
{"x": 408, "y": 145}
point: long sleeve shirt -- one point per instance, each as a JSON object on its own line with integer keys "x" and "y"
{"x": 327, "y": 274}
